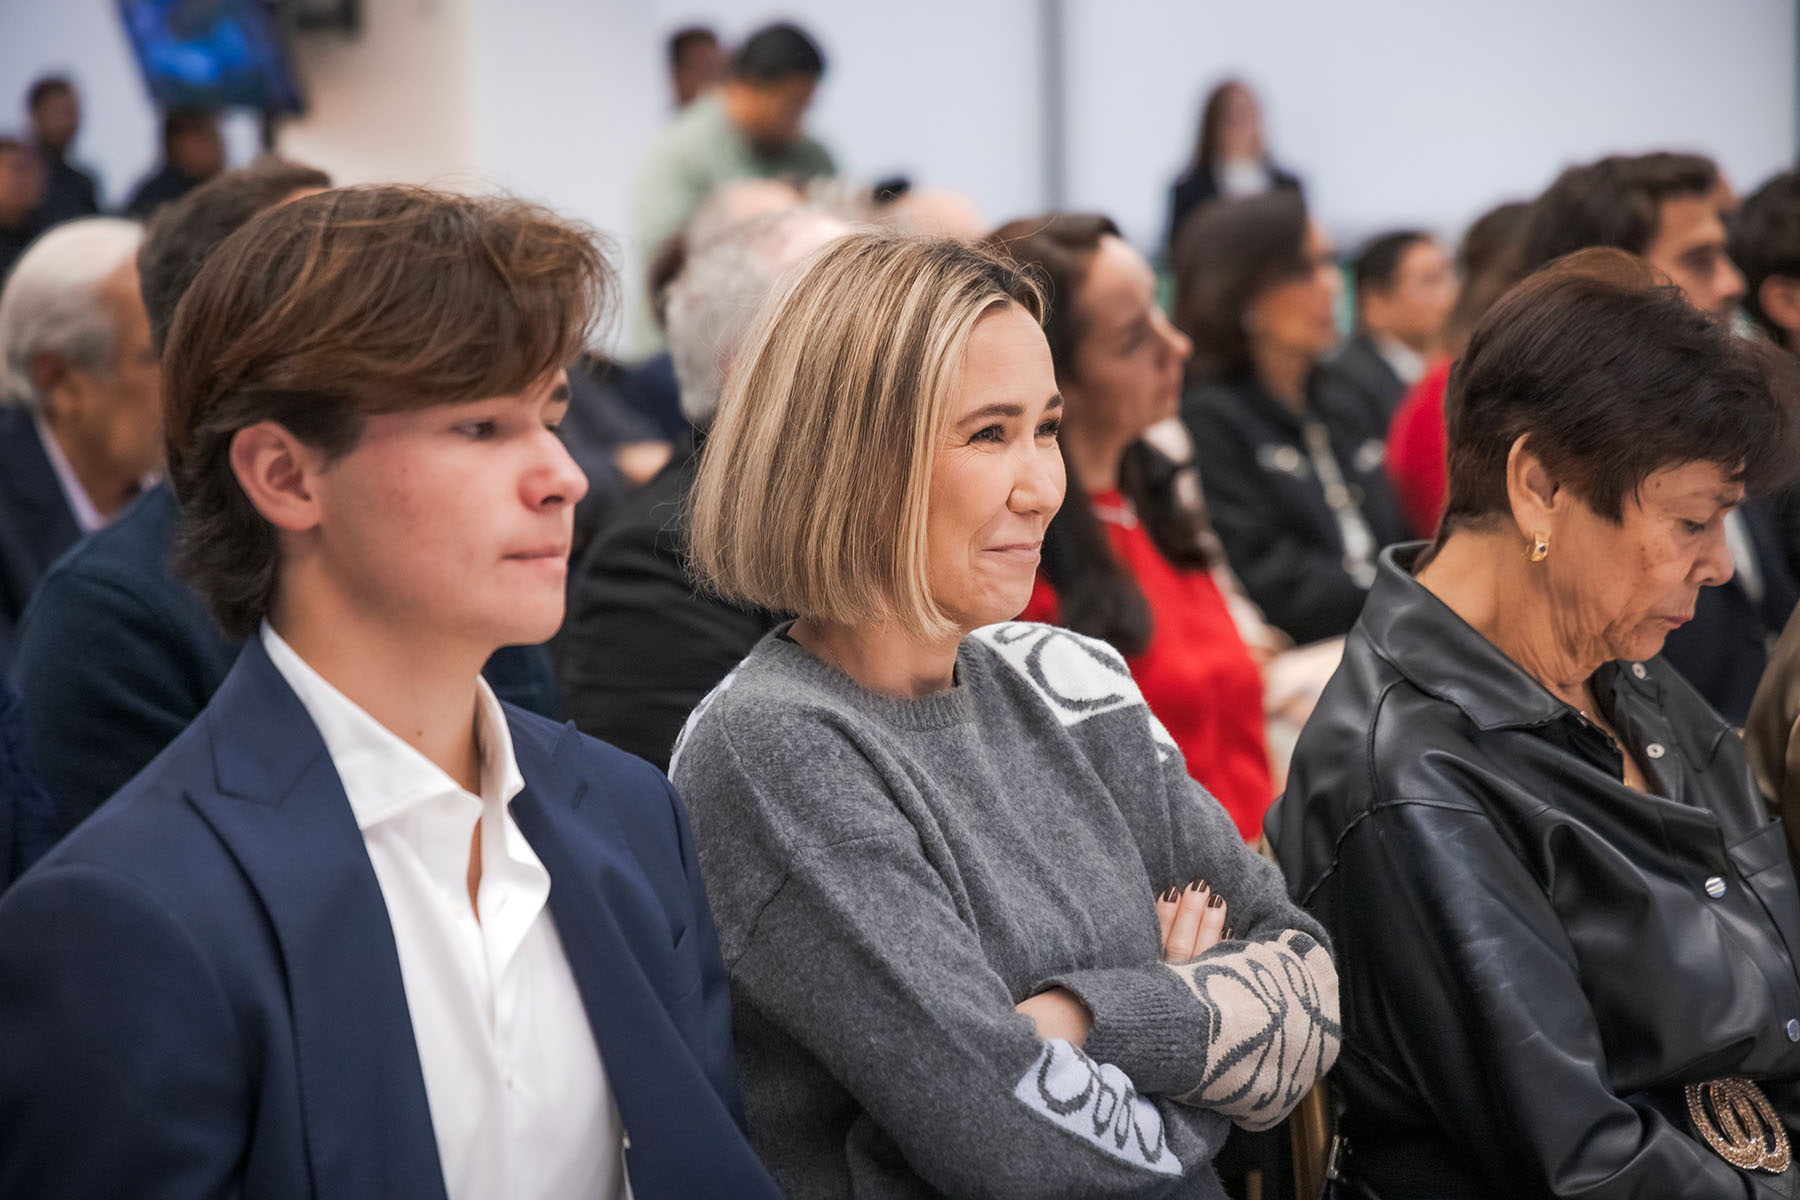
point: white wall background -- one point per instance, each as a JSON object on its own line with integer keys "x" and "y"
{"x": 1394, "y": 111}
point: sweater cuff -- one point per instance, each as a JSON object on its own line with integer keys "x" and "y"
{"x": 1146, "y": 1021}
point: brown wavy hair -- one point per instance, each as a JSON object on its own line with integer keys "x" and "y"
{"x": 332, "y": 308}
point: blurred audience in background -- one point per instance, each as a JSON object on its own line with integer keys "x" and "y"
{"x": 649, "y": 389}
{"x": 696, "y": 63}
{"x": 80, "y": 407}
{"x": 1405, "y": 289}
{"x": 21, "y": 200}
{"x": 643, "y": 643}
{"x": 1665, "y": 208}
{"x": 1488, "y": 262}
{"x": 1765, "y": 244}
{"x": 1290, "y": 457}
{"x": 69, "y": 191}
{"x": 1230, "y": 160}
{"x": 751, "y": 126}
{"x": 193, "y": 151}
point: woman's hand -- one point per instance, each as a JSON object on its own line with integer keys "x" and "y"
{"x": 1058, "y": 1014}
{"x": 1192, "y": 921}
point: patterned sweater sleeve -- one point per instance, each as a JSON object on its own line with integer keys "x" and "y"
{"x": 1249, "y": 1026}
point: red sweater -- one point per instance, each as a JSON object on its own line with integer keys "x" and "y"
{"x": 1196, "y": 674}
{"x": 1415, "y": 452}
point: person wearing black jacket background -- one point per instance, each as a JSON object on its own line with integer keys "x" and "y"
{"x": 1291, "y": 457}
{"x": 1230, "y": 159}
{"x": 642, "y": 645}
{"x": 1566, "y": 924}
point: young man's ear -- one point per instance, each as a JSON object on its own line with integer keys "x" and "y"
{"x": 277, "y": 471}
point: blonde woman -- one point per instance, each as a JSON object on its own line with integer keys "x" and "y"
{"x": 958, "y": 866}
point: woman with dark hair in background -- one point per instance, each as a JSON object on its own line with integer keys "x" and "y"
{"x": 1124, "y": 560}
{"x": 1230, "y": 159}
{"x": 1290, "y": 458}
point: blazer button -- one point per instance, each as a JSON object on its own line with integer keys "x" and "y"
{"x": 1715, "y": 887}
{"x": 1655, "y": 750}
{"x": 1637, "y": 670}
{"x": 1793, "y": 1031}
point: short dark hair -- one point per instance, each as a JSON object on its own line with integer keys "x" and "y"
{"x": 1611, "y": 377}
{"x": 1765, "y": 240}
{"x": 685, "y": 39}
{"x": 776, "y": 53}
{"x": 1613, "y": 202}
{"x": 1378, "y": 264}
{"x": 1226, "y": 254}
{"x": 184, "y": 232}
{"x": 187, "y": 119}
{"x": 46, "y": 87}
{"x": 323, "y": 311}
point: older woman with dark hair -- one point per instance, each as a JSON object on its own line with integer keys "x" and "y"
{"x": 1568, "y": 923}
{"x": 1290, "y": 455}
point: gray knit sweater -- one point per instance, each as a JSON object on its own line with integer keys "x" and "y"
{"x": 891, "y": 876}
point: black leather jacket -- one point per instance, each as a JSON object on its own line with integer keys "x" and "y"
{"x": 1534, "y": 958}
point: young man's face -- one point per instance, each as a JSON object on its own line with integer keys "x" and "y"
{"x": 454, "y": 521}
{"x": 1689, "y": 247}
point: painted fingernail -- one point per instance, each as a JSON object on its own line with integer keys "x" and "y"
{"x": 1229, "y": 935}
{"x": 1170, "y": 894}
{"x": 1215, "y": 901}
{"x": 1197, "y": 885}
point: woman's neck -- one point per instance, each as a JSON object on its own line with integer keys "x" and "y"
{"x": 419, "y": 689}
{"x": 1283, "y": 373}
{"x": 882, "y": 658}
{"x": 1485, "y": 579}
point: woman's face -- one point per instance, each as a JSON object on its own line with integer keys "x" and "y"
{"x": 1127, "y": 365}
{"x": 1240, "y": 126}
{"x": 1299, "y": 315}
{"x": 998, "y": 478}
{"x": 1619, "y": 590}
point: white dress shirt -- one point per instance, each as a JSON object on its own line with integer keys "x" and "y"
{"x": 519, "y": 1100}
{"x": 87, "y": 517}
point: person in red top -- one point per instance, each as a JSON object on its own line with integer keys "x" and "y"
{"x": 1489, "y": 263}
{"x": 1126, "y": 559}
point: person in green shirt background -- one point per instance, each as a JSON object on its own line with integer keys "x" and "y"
{"x": 751, "y": 126}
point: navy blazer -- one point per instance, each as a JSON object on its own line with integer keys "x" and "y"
{"x": 200, "y": 993}
{"x": 36, "y": 522}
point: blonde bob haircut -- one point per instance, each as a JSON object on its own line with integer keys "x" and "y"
{"x": 814, "y": 484}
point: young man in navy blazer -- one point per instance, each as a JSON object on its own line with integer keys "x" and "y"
{"x": 362, "y": 930}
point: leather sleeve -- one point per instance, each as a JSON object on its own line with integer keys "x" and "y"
{"x": 1459, "y": 980}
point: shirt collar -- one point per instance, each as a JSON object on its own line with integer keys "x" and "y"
{"x": 87, "y": 517}
{"x": 1401, "y": 358}
{"x": 1443, "y": 655}
{"x": 383, "y": 776}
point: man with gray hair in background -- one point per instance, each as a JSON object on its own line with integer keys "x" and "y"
{"x": 641, "y": 645}
{"x": 80, "y": 406}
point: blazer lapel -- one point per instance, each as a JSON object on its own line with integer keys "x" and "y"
{"x": 281, "y": 809}
{"x": 656, "y": 1079}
